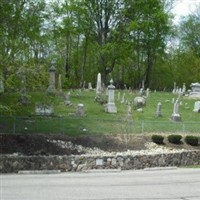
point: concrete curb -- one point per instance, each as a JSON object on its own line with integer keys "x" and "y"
{"x": 39, "y": 171}
{"x": 160, "y": 168}
{"x": 102, "y": 171}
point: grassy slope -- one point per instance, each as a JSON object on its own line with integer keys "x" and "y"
{"x": 96, "y": 120}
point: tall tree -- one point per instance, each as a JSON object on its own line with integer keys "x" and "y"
{"x": 148, "y": 26}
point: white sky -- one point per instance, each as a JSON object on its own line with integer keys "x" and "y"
{"x": 184, "y": 7}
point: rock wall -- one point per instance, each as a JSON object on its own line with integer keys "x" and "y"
{"x": 15, "y": 163}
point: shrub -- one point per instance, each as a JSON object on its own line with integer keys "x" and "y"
{"x": 158, "y": 139}
{"x": 191, "y": 140}
{"x": 175, "y": 139}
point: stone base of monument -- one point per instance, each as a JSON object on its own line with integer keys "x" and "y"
{"x": 176, "y": 117}
{"x": 51, "y": 90}
{"x": 194, "y": 95}
{"x": 111, "y": 108}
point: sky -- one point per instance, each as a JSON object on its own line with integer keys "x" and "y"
{"x": 184, "y": 7}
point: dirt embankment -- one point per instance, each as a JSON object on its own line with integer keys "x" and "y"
{"x": 32, "y": 144}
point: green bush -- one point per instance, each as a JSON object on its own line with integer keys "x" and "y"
{"x": 191, "y": 140}
{"x": 175, "y": 139}
{"x": 158, "y": 139}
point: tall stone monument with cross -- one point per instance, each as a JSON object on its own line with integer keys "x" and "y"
{"x": 111, "y": 108}
{"x": 52, "y": 88}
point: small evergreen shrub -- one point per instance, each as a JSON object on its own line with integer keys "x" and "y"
{"x": 158, "y": 139}
{"x": 175, "y": 139}
{"x": 191, "y": 140}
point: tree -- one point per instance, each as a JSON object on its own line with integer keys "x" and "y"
{"x": 189, "y": 32}
{"x": 148, "y": 26}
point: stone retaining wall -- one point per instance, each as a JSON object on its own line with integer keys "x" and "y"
{"x": 15, "y": 163}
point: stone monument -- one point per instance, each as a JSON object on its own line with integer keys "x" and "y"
{"x": 90, "y": 86}
{"x": 175, "y": 115}
{"x": 52, "y": 88}
{"x": 197, "y": 106}
{"x": 159, "y": 110}
{"x": 111, "y": 108}
{"x": 98, "y": 87}
{"x": 80, "y": 110}
{"x": 195, "y": 93}
{"x": 60, "y": 92}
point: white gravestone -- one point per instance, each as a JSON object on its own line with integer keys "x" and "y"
{"x": 195, "y": 93}
{"x": 111, "y": 108}
{"x": 197, "y": 106}
{"x": 98, "y": 88}
{"x": 44, "y": 109}
{"x": 147, "y": 92}
{"x": 184, "y": 89}
{"x": 174, "y": 89}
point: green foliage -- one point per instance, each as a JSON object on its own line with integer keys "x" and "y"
{"x": 175, "y": 139}
{"x": 5, "y": 110}
{"x": 191, "y": 140}
{"x": 158, "y": 139}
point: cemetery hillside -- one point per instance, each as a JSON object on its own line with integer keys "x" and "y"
{"x": 102, "y": 79}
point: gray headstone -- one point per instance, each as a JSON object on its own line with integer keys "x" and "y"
{"x": 159, "y": 110}
{"x": 175, "y": 115}
{"x": 80, "y": 110}
{"x": 111, "y": 108}
{"x": 52, "y": 88}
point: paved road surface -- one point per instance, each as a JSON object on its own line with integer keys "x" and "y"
{"x": 176, "y": 184}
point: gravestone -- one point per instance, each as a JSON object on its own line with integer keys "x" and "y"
{"x": 111, "y": 108}
{"x": 60, "y": 92}
{"x": 98, "y": 87}
{"x": 174, "y": 89}
{"x": 80, "y": 110}
{"x": 90, "y": 86}
{"x": 159, "y": 110}
{"x": 139, "y": 102}
{"x": 52, "y": 88}
{"x": 67, "y": 99}
{"x": 143, "y": 84}
{"x": 123, "y": 98}
{"x": 184, "y": 89}
{"x": 147, "y": 92}
{"x": 42, "y": 109}
{"x": 197, "y": 106}
{"x": 141, "y": 92}
{"x": 195, "y": 93}
{"x": 175, "y": 115}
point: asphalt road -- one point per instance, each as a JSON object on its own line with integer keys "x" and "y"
{"x": 176, "y": 184}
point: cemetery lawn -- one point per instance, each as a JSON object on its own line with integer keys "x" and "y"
{"x": 21, "y": 119}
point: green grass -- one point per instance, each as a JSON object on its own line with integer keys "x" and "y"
{"x": 97, "y": 121}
